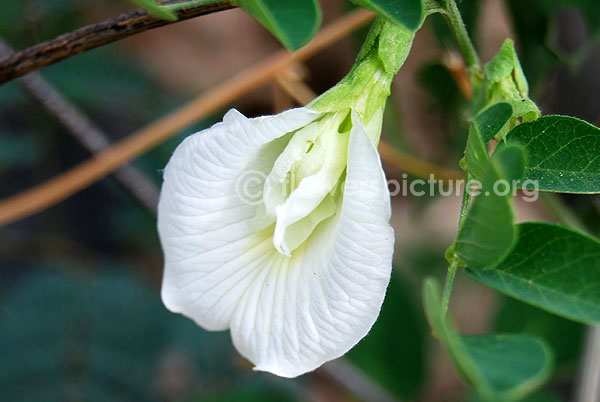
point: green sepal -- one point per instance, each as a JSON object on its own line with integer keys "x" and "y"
{"x": 503, "y": 80}
{"x": 366, "y": 87}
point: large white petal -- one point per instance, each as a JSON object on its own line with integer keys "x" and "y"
{"x": 287, "y": 315}
{"x": 203, "y": 216}
{"x": 302, "y": 311}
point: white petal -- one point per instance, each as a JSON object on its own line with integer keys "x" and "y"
{"x": 302, "y": 311}
{"x": 202, "y": 220}
{"x": 287, "y": 315}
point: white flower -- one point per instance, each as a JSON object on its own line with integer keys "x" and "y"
{"x": 299, "y": 272}
{"x": 278, "y": 227}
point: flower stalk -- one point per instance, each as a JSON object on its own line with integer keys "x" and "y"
{"x": 457, "y": 25}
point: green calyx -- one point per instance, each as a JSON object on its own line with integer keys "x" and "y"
{"x": 503, "y": 81}
{"x": 367, "y": 85}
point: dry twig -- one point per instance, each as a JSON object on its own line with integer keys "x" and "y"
{"x": 92, "y": 36}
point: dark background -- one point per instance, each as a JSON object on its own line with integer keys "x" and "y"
{"x": 80, "y": 313}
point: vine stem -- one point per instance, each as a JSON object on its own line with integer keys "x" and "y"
{"x": 448, "y": 285}
{"x": 457, "y": 26}
{"x": 471, "y": 58}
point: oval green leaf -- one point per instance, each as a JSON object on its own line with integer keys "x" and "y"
{"x": 292, "y": 22}
{"x": 488, "y": 232}
{"x": 564, "y": 154}
{"x": 499, "y": 367}
{"x": 491, "y": 120}
{"x": 552, "y": 267}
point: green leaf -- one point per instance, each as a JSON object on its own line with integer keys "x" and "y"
{"x": 488, "y": 232}
{"x": 564, "y": 336}
{"x": 154, "y": 9}
{"x": 563, "y": 153}
{"x": 503, "y": 81}
{"x": 485, "y": 126}
{"x": 513, "y": 365}
{"x": 292, "y": 22}
{"x": 408, "y": 13}
{"x": 491, "y": 120}
{"x": 499, "y": 367}
{"x": 551, "y": 267}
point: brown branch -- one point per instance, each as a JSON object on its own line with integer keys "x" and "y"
{"x": 86, "y": 173}
{"x": 92, "y": 36}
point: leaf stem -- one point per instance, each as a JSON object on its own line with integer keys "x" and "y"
{"x": 186, "y": 4}
{"x": 457, "y": 26}
{"x": 449, "y": 283}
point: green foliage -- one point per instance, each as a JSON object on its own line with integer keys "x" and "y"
{"x": 564, "y": 336}
{"x": 487, "y": 232}
{"x": 552, "y": 267}
{"x": 408, "y": 13}
{"x": 393, "y": 352}
{"x": 564, "y": 153}
{"x": 499, "y": 367}
{"x": 107, "y": 338}
{"x": 514, "y": 365}
{"x": 503, "y": 81}
{"x": 492, "y": 120}
{"x": 101, "y": 339}
{"x": 292, "y": 22}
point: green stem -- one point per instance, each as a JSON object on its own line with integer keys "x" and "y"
{"x": 187, "y": 4}
{"x": 465, "y": 201}
{"x": 457, "y": 26}
{"x": 448, "y": 285}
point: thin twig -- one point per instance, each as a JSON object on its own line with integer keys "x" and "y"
{"x": 84, "y": 131}
{"x": 93, "y": 36}
{"x": 83, "y": 175}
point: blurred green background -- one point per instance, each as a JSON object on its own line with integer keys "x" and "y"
{"x": 80, "y": 312}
